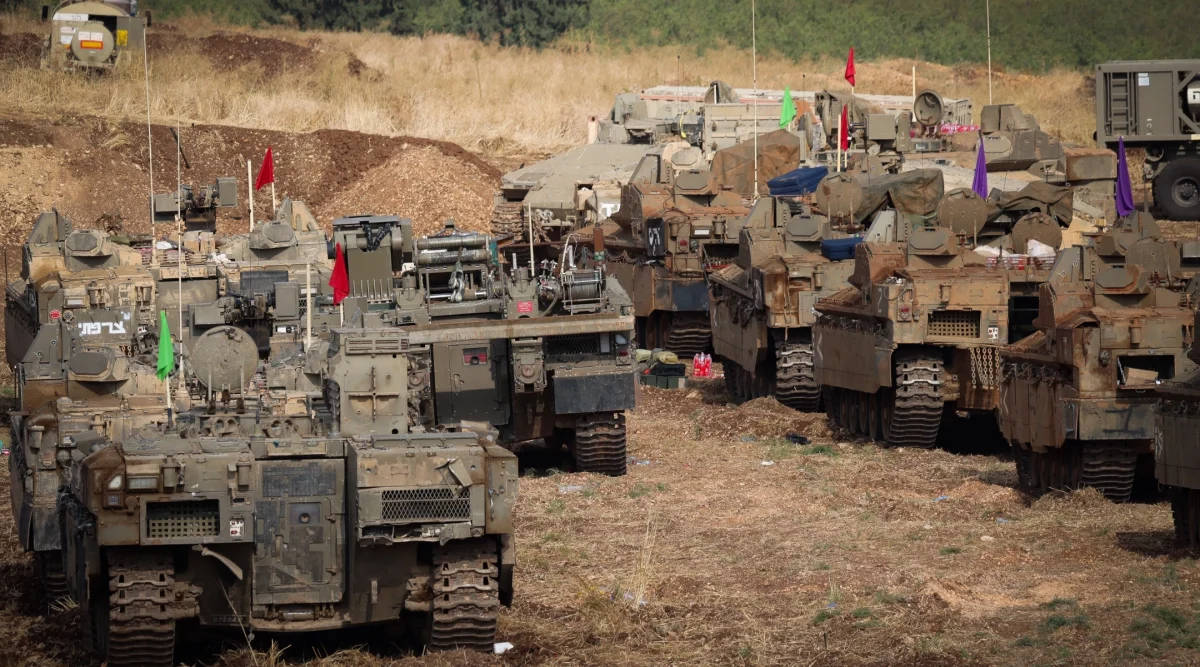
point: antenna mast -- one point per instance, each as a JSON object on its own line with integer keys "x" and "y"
{"x": 150, "y": 150}
{"x": 754, "y": 83}
{"x": 988, "y": 9}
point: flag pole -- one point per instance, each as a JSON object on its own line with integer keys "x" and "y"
{"x": 308, "y": 305}
{"x": 274, "y": 205}
{"x": 250, "y": 187}
{"x": 839, "y": 143}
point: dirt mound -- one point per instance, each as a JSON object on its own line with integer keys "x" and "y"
{"x": 230, "y": 50}
{"x": 87, "y": 167}
{"x": 435, "y": 187}
{"x": 22, "y": 48}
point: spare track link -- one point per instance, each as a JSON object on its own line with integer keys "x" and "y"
{"x": 795, "y": 383}
{"x": 917, "y": 414}
{"x": 689, "y": 334}
{"x": 600, "y": 443}
{"x": 141, "y": 626}
{"x": 508, "y": 220}
{"x": 466, "y": 595}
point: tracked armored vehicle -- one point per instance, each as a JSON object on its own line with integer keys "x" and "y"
{"x": 1176, "y": 445}
{"x": 761, "y": 304}
{"x": 269, "y": 509}
{"x": 1079, "y": 393}
{"x": 538, "y": 348}
{"x": 75, "y": 323}
{"x": 918, "y": 332}
{"x": 672, "y": 229}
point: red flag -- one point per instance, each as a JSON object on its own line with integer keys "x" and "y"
{"x": 850, "y": 67}
{"x": 844, "y": 131}
{"x": 266, "y": 173}
{"x": 340, "y": 280}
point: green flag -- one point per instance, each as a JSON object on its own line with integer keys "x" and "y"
{"x": 789, "y": 109}
{"x": 166, "y": 350}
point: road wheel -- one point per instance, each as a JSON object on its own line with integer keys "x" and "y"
{"x": 1177, "y": 189}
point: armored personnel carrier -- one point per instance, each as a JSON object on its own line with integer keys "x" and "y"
{"x": 536, "y": 347}
{"x": 75, "y": 324}
{"x": 919, "y": 329}
{"x": 266, "y": 509}
{"x": 673, "y": 228}
{"x": 1079, "y": 393}
{"x": 761, "y": 304}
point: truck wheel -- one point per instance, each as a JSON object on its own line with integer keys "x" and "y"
{"x": 1177, "y": 189}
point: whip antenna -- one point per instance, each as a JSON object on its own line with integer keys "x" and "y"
{"x": 754, "y": 82}
{"x": 149, "y": 149}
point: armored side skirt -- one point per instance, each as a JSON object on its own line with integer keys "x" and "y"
{"x": 1043, "y": 420}
{"x": 1177, "y": 450}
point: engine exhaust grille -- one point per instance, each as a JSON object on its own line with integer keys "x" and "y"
{"x": 189, "y": 518}
{"x": 954, "y": 323}
{"x": 426, "y": 504}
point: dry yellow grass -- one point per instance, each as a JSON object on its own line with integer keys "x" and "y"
{"x": 484, "y": 97}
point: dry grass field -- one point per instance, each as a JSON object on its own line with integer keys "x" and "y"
{"x": 729, "y": 544}
{"x": 483, "y": 97}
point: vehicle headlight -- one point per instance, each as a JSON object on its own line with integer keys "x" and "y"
{"x": 142, "y": 484}
{"x": 116, "y": 482}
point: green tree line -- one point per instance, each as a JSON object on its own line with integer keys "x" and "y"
{"x": 1026, "y": 34}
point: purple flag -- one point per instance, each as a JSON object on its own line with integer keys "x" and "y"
{"x": 979, "y": 185}
{"x": 1124, "y": 187}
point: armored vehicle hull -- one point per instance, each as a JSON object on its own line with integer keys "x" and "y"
{"x": 762, "y": 304}
{"x": 1079, "y": 393}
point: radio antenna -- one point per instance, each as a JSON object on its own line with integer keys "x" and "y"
{"x": 754, "y": 83}
{"x": 149, "y": 149}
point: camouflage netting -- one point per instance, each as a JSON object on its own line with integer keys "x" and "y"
{"x": 862, "y": 194}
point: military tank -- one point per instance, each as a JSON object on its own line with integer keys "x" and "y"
{"x": 95, "y": 35}
{"x": 917, "y": 333}
{"x": 761, "y": 304}
{"x": 538, "y": 347}
{"x": 1177, "y": 416}
{"x": 1079, "y": 393}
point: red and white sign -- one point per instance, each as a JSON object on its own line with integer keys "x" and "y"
{"x": 54, "y": 315}
{"x": 524, "y": 307}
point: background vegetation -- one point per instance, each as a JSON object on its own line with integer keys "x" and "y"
{"x": 1026, "y": 34}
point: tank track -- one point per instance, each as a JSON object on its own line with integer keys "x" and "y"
{"x": 917, "y": 412}
{"x": 600, "y": 443}
{"x": 141, "y": 629}
{"x": 689, "y": 334}
{"x": 508, "y": 220}
{"x": 795, "y": 384}
{"x": 1109, "y": 467}
{"x": 48, "y": 568}
{"x": 466, "y": 596}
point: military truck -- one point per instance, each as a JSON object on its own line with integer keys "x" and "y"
{"x": 1079, "y": 397}
{"x": 93, "y": 35}
{"x": 1155, "y": 105}
{"x": 761, "y": 304}
{"x": 273, "y": 510}
{"x": 918, "y": 331}
{"x": 536, "y": 347}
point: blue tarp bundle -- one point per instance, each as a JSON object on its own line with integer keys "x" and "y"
{"x": 797, "y": 182}
{"x": 839, "y": 249}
